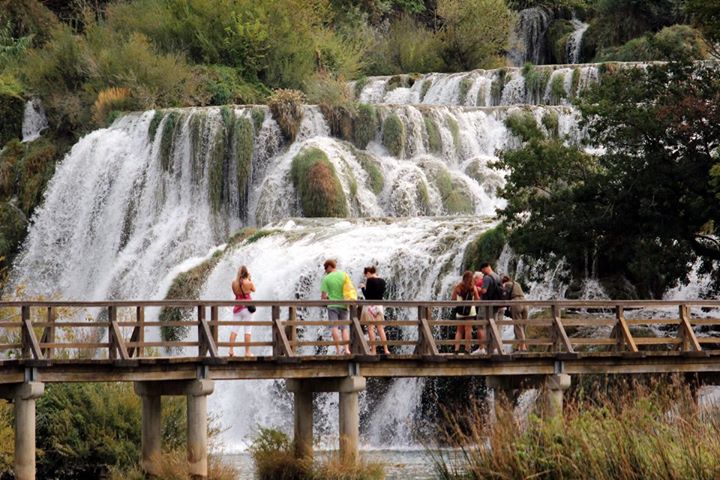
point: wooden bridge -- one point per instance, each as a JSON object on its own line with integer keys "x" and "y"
{"x": 42, "y": 342}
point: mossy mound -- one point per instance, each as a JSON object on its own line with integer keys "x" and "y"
{"x": 523, "y": 125}
{"x": 365, "y": 126}
{"x": 497, "y": 87}
{"x": 536, "y": 80}
{"x": 155, "y": 123}
{"x": 318, "y": 187}
{"x": 487, "y": 247}
{"x": 243, "y": 144}
{"x": 456, "y": 197}
{"x": 465, "y": 85}
{"x": 454, "y": 131}
{"x": 394, "y": 135}
{"x": 186, "y": 285}
{"x": 12, "y": 108}
{"x": 434, "y": 140}
{"x": 375, "y": 180}
{"x": 169, "y": 128}
{"x": 287, "y": 110}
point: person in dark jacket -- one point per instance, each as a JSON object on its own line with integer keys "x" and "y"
{"x": 373, "y": 288}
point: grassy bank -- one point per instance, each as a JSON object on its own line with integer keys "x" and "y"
{"x": 631, "y": 432}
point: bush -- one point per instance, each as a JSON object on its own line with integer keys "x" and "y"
{"x": 336, "y": 102}
{"x": 676, "y": 43}
{"x": 408, "y": 46}
{"x": 487, "y": 247}
{"x": 174, "y": 466}
{"x": 523, "y": 125}
{"x": 536, "y": 80}
{"x": 111, "y": 100}
{"x": 287, "y": 110}
{"x": 393, "y": 135}
{"x": 274, "y": 457}
{"x": 317, "y": 185}
{"x": 84, "y": 429}
{"x": 365, "y": 126}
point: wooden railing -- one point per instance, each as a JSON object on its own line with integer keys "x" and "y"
{"x": 120, "y": 330}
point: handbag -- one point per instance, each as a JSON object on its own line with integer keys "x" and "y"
{"x": 250, "y": 308}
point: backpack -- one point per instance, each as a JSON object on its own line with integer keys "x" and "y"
{"x": 495, "y": 290}
{"x": 349, "y": 292}
{"x": 506, "y": 292}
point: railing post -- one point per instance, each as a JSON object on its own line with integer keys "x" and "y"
{"x": 291, "y": 331}
{"x": 116, "y": 345}
{"x": 686, "y": 333}
{"x": 202, "y": 342}
{"x": 30, "y": 345}
{"x": 214, "y": 318}
{"x": 425, "y": 343}
{"x": 281, "y": 346}
{"x": 358, "y": 344}
{"x": 559, "y": 335}
{"x": 48, "y": 335}
{"x": 622, "y": 332}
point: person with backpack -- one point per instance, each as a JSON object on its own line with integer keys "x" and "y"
{"x": 465, "y": 290}
{"x": 491, "y": 289}
{"x": 513, "y": 291}
{"x": 336, "y": 285}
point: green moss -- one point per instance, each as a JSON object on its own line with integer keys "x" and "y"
{"x": 365, "y": 125}
{"x": 216, "y": 175}
{"x": 557, "y": 88}
{"x": 260, "y": 234}
{"x": 455, "y": 131}
{"x": 166, "y": 143}
{"x": 10, "y": 157}
{"x": 186, "y": 285}
{"x": 551, "y": 123}
{"x": 497, "y": 87}
{"x": 558, "y": 35}
{"x": 523, "y": 125}
{"x": 423, "y": 197}
{"x": 375, "y": 180}
{"x": 34, "y": 172}
{"x": 434, "y": 140}
{"x": 12, "y": 109}
{"x": 455, "y": 196}
{"x": 536, "y": 80}
{"x": 317, "y": 185}
{"x": 575, "y": 82}
{"x": 487, "y": 247}
{"x": 465, "y": 85}
{"x": 394, "y": 135}
{"x": 198, "y": 121}
{"x": 243, "y": 147}
{"x": 258, "y": 117}
{"x": 424, "y": 88}
{"x": 241, "y": 235}
{"x": 360, "y": 85}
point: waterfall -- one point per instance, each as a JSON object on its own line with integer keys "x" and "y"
{"x": 418, "y": 257}
{"x": 34, "y": 120}
{"x": 575, "y": 40}
{"x": 530, "y": 36}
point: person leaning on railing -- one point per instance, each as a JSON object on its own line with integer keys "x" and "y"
{"x": 514, "y": 291}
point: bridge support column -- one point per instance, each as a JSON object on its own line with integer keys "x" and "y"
{"x": 554, "y": 389}
{"x": 196, "y": 392}
{"x": 349, "y": 413}
{"x": 24, "y": 396}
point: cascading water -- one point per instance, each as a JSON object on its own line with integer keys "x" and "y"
{"x": 34, "y": 120}
{"x": 530, "y": 36}
{"x": 575, "y": 40}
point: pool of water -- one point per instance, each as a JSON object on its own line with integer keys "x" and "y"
{"x": 399, "y": 464}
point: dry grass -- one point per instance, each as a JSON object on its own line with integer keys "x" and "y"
{"x": 109, "y": 100}
{"x": 626, "y": 433}
{"x": 174, "y": 466}
{"x": 286, "y": 106}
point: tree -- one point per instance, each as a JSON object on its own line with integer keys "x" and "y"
{"x": 706, "y": 16}
{"x": 647, "y": 207}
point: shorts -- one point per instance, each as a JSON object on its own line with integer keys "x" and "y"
{"x": 335, "y": 314}
{"x": 243, "y": 315}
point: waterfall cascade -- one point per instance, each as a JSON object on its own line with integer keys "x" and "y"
{"x": 34, "y": 120}
{"x": 530, "y": 37}
{"x": 574, "y": 43}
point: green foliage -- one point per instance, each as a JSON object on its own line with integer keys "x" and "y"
{"x": 407, "y": 46}
{"x": 705, "y": 15}
{"x": 551, "y": 123}
{"x": 224, "y": 85}
{"x": 13, "y": 225}
{"x": 523, "y": 125}
{"x": 558, "y": 34}
{"x": 287, "y": 109}
{"x": 644, "y": 209}
{"x": 393, "y": 135}
{"x": 274, "y": 458}
{"x": 243, "y": 138}
{"x": 536, "y": 80}
{"x": 336, "y": 102}
{"x": 169, "y": 126}
{"x": 83, "y": 429}
{"x": 185, "y": 286}
{"x": 317, "y": 185}
{"x": 258, "y": 117}
{"x": 675, "y": 43}
{"x": 434, "y": 140}
{"x": 557, "y": 88}
{"x": 487, "y": 247}
{"x": 471, "y": 40}
{"x": 365, "y": 126}
{"x": 12, "y": 107}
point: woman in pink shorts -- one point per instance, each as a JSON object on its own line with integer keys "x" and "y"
{"x": 242, "y": 286}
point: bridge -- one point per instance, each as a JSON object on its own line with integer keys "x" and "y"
{"x": 121, "y": 341}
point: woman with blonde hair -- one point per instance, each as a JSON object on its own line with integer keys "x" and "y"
{"x": 466, "y": 290}
{"x": 242, "y": 286}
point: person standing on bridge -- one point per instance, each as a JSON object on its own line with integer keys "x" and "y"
{"x": 242, "y": 286}
{"x": 465, "y": 290}
{"x": 518, "y": 312}
{"x": 331, "y": 288}
{"x": 374, "y": 289}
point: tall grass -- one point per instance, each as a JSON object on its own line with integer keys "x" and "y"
{"x": 636, "y": 432}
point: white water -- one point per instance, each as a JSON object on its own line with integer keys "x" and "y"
{"x": 575, "y": 41}
{"x": 34, "y": 120}
{"x": 530, "y": 36}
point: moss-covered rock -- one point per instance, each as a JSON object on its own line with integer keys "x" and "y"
{"x": 456, "y": 197}
{"x": 169, "y": 127}
{"x": 523, "y": 125}
{"x": 318, "y": 187}
{"x": 258, "y": 117}
{"x": 243, "y": 143}
{"x": 375, "y": 180}
{"x": 465, "y": 85}
{"x": 155, "y": 123}
{"x": 454, "y": 131}
{"x": 12, "y": 108}
{"x": 394, "y": 135}
{"x": 35, "y": 170}
{"x": 557, "y": 88}
{"x": 434, "y": 140}
{"x": 198, "y": 144}
{"x": 487, "y": 247}
{"x": 365, "y": 126}
{"x": 424, "y": 88}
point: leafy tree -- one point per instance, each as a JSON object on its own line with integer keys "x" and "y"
{"x": 647, "y": 207}
{"x": 706, "y": 16}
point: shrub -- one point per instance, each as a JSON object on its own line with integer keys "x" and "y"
{"x": 225, "y": 86}
{"x": 258, "y": 118}
{"x": 487, "y": 247}
{"x": 317, "y": 185}
{"x": 110, "y": 100}
{"x": 274, "y": 458}
{"x": 83, "y": 429}
{"x": 536, "y": 80}
{"x": 36, "y": 169}
{"x": 523, "y": 125}
{"x": 335, "y": 99}
{"x": 12, "y": 107}
{"x": 408, "y": 46}
{"x": 675, "y": 43}
{"x": 365, "y": 126}
{"x": 393, "y": 135}
{"x": 558, "y": 34}
{"x": 174, "y": 466}
{"x": 334, "y": 468}
{"x": 287, "y": 110}
{"x": 185, "y": 285}
{"x": 551, "y": 123}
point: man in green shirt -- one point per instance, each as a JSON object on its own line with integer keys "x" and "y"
{"x": 331, "y": 288}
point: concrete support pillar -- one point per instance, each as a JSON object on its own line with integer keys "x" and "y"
{"x": 349, "y": 427}
{"x": 197, "y": 427}
{"x": 25, "y": 396}
{"x": 151, "y": 439}
{"x": 303, "y": 424}
{"x": 555, "y": 386}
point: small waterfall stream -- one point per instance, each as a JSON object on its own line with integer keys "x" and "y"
{"x": 34, "y": 120}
